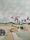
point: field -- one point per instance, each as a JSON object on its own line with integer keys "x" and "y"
{"x": 9, "y": 28}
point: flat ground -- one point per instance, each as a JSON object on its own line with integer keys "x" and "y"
{"x": 7, "y": 28}
{"x": 13, "y": 28}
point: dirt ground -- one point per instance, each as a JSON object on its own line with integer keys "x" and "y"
{"x": 9, "y": 29}
{"x": 12, "y": 28}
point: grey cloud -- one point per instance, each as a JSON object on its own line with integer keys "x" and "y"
{"x": 14, "y": 7}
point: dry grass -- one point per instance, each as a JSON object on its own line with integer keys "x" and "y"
{"x": 8, "y": 28}
{"x": 12, "y": 28}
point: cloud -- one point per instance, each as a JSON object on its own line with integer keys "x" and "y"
{"x": 14, "y": 7}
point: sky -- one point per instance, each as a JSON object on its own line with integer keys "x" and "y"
{"x": 14, "y": 8}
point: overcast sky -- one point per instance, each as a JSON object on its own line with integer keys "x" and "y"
{"x": 14, "y": 7}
